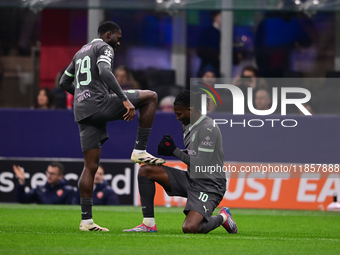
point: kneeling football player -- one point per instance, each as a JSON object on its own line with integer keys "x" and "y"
{"x": 204, "y": 191}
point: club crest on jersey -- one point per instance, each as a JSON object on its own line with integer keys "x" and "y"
{"x": 100, "y": 195}
{"x": 60, "y": 192}
{"x": 108, "y": 53}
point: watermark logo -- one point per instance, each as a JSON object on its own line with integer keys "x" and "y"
{"x": 209, "y": 93}
{"x": 238, "y": 100}
{"x": 284, "y": 98}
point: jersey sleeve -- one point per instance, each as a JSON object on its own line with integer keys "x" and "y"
{"x": 66, "y": 80}
{"x": 106, "y": 55}
{"x": 70, "y": 70}
{"x": 104, "y": 60}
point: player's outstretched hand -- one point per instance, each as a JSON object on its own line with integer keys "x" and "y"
{"x": 19, "y": 172}
{"x": 167, "y": 146}
{"x": 130, "y": 114}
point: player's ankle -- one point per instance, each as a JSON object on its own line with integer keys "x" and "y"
{"x": 138, "y": 151}
{"x": 89, "y": 221}
{"x": 224, "y": 217}
{"x": 150, "y": 222}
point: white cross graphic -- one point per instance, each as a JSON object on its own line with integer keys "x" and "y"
{"x": 108, "y": 53}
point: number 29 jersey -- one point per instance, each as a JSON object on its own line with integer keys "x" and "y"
{"x": 91, "y": 92}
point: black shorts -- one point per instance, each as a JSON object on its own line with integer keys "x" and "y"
{"x": 201, "y": 201}
{"x": 93, "y": 131}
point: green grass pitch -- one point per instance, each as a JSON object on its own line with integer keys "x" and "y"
{"x": 41, "y": 229}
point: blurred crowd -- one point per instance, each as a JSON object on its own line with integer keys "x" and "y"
{"x": 258, "y": 58}
{"x": 248, "y": 78}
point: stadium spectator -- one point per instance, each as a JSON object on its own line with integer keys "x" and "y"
{"x": 249, "y": 77}
{"x": 209, "y": 75}
{"x": 208, "y": 45}
{"x": 125, "y": 78}
{"x": 102, "y": 192}
{"x": 262, "y": 100}
{"x": 167, "y": 104}
{"x": 44, "y": 99}
{"x": 55, "y": 191}
{"x": 209, "y": 78}
{"x": 204, "y": 190}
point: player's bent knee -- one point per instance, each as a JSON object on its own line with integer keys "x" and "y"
{"x": 146, "y": 170}
{"x": 152, "y": 95}
{"x": 189, "y": 228}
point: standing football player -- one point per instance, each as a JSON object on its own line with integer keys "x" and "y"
{"x": 204, "y": 191}
{"x": 89, "y": 78}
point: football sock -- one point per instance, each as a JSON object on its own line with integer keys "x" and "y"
{"x": 147, "y": 192}
{"x": 142, "y": 138}
{"x": 87, "y": 221}
{"x": 213, "y": 223}
{"x": 224, "y": 217}
{"x": 150, "y": 222}
{"x": 86, "y": 208}
{"x": 138, "y": 151}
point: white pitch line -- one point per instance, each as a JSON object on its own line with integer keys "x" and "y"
{"x": 233, "y": 237}
{"x": 177, "y": 210}
{"x": 190, "y": 236}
